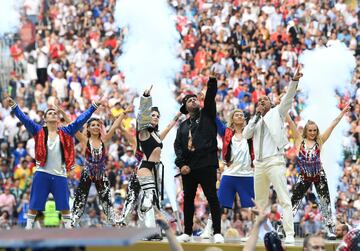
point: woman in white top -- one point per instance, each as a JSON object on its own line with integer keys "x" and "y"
{"x": 238, "y": 176}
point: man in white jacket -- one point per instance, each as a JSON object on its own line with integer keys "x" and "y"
{"x": 269, "y": 137}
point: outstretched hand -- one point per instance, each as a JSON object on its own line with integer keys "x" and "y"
{"x": 58, "y": 109}
{"x": 346, "y": 109}
{"x": 297, "y": 74}
{"x": 99, "y": 101}
{"x": 260, "y": 212}
{"x": 10, "y": 101}
{"x": 147, "y": 91}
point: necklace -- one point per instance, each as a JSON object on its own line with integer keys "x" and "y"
{"x": 309, "y": 148}
{"x": 95, "y": 152}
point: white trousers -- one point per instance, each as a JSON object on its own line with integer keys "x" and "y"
{"x": 272, "y": 171}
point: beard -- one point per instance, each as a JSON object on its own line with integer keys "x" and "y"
{"x": 194, "y": 109}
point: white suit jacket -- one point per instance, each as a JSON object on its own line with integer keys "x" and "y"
{"x": 274, "y": 121}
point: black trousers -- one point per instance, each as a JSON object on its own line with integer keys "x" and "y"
{"x": 322, "y": 190}
{"x": 206, "y": 177}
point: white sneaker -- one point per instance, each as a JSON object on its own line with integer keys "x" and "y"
{"x": 218, "y": 238}
{"x": 207, "y": 233}
{"x": 289, "y": 239}
{"x": 183, "y": 238}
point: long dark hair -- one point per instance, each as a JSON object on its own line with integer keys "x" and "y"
{"x": 155, "y": 128}
{"x": 88, "y": 134}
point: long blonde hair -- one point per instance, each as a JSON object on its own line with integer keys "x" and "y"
{"x": 306, "y": 127}
{"x": 230, "y": 121}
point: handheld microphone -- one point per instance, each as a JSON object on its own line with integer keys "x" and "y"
{"x": 258, "y": 116}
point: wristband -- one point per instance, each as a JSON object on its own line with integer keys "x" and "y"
{"x": 13, "y": 106}
{"x": 95, "y": 105}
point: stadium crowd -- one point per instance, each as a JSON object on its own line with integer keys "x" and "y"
{"x": 66, "y": 51}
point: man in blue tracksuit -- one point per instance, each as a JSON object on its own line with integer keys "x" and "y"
{"x": 54, "y": 156}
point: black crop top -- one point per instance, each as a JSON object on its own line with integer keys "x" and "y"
{"x": 148, "y": 146}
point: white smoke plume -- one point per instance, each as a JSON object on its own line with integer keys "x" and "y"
{"x": 326, "y": 70}
{"x": 10, "y": 15}
{"x": 150, "y": 57}
{"x": 9, "y": 23}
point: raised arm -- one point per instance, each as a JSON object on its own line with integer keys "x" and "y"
{"x": 81, "y": 120}
{"x": 129, "y": 137}
{"x": 116, "y": 124}
{"x": 249, "y": 129}
{"x": 162, "y": 223}
{"x": 333, "y": 124}
{"x": 170, "y": 126}
{"x": 294, "y": 131}
{"x": 287, "y": 100}
{"x": 78, "y": 135}
{"x": 250, "y": 244}
{"x": 209, "y": 102}
{"x": 30, "y": 125}
{"x": 220, "y": 126}
{"x": 144, "y": 115}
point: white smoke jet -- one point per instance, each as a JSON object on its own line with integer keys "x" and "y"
{"x": 9, "y": 23}
{"x": 9, "y": 15}
{"x": 150, "y": 57}
{"x": 326, "y": 70}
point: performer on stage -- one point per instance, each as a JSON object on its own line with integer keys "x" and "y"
{"x": 133, "y": 189}
{"x": 238, "y": 176}
{"x": 150, "y": 143}
{"x": 308, "y": 148}
{"x": 94, "y": 169}
{"x": 196, "y": 156}
{"x": 54, "y": 155}
{"x": 269, "y": 136}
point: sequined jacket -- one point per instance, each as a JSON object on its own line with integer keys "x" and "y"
{"x": 66, "y": 134}
{"x": 144, "y": 116}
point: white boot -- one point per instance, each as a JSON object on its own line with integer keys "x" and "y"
{"x": 149, "y": 218}
{"x": 149, "y": 222}
{"x": 66, "y": 218}
{"x": 30, "y": 221}
{"x": 75, "y": 221}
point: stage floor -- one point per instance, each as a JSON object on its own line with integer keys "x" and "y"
{"x": 112, "y": 239}
{"x": 202, "y": 245}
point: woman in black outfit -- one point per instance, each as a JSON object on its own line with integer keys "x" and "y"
{"x": 150, "y": 144}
